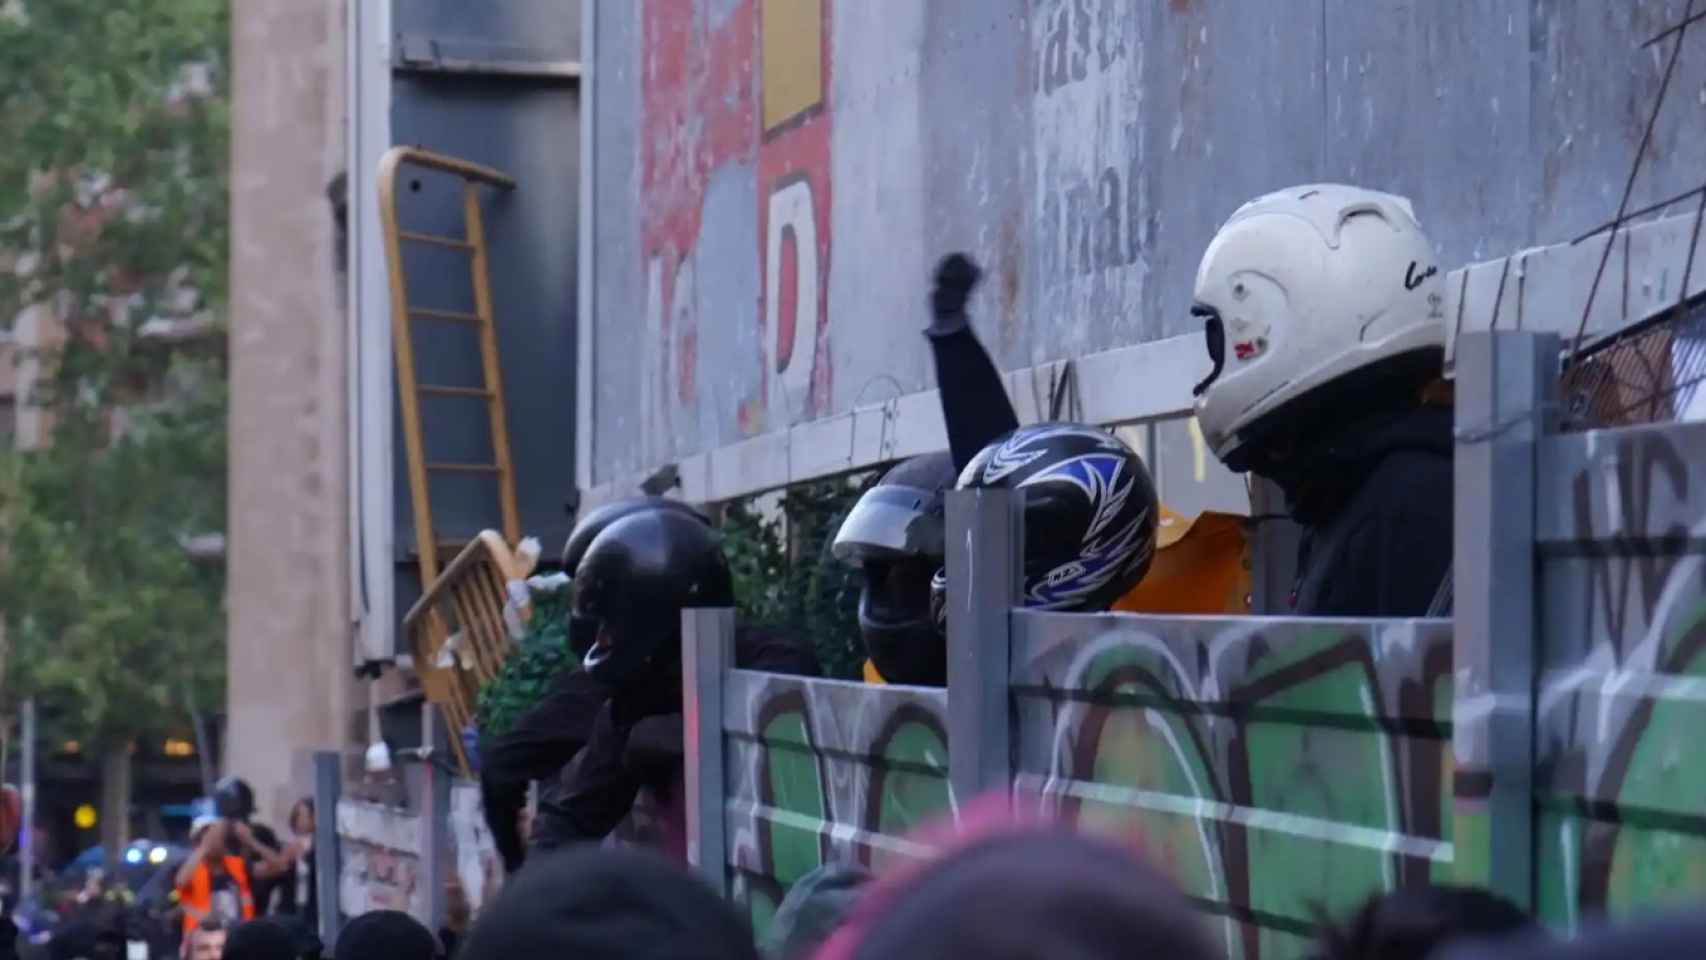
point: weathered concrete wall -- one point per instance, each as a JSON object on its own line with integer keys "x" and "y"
{"x": 774, "y": 178}
{"x": 290, "y": 685}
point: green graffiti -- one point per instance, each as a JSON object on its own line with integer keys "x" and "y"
{"x": 1658, "y": 858}
{"x": 795, "y": 788}
{"x": 907, "y": 783}
{"x": 1318, "y": 775}
{"x": 909, "y": 795}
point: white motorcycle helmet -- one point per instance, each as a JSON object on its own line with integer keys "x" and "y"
{"x": 1305, "y": 287}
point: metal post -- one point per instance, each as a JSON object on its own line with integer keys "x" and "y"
{"x": 427, "y": 800}
{"x": 27, "y": 778}
{"x": 707, "y": 653}
{"x": 986, "y": 549}
{"x": 1506, "y": 384}
{"x": 328, "y": 787}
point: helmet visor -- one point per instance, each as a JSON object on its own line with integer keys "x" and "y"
{"x": 890, "y": 522}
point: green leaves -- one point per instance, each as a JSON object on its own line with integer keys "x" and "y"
{"x": 527, "y": 674}
{"x": 113, "y": 190}
{"x": 785, "y": 578}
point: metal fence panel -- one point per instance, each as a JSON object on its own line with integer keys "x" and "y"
{"x": 1621, "y": 800}
{"x": 1271, "y": 764}
{"x": 822, "y": 771}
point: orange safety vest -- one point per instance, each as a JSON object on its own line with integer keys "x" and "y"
{"x": 1201, "y": 566}
{"x": 197, "y": 897}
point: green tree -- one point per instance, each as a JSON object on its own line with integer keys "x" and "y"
{"x": 113, "y": 220}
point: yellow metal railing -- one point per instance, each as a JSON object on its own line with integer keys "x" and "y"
{"x": 457, "y": 630}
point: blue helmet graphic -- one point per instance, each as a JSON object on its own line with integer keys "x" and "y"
{"x": 1090, "y": 512}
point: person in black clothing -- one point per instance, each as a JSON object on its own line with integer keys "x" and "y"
{"x": 545, "y": 738}
{"x": 593, "y": 904}
{"x": 1415, "y": 923}
{"x": 1091, "y": 512}
{"x": 1323, "y": 316}
{"x": 385, "y": 933}
{"x": 1677, "y": 935}
{"x": 895, "y": 535}
{"x": 633, "y": 582}
{"x": 612, "y": 726}
{"x": 975, "y": 407}
{"x": 262, "y": 940}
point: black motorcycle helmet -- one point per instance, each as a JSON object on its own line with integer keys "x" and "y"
{"x": 233, "y": 798}
{"x": 895, "y": 535}
{"x": 582, "y": 631}
{"x": 1090, "y": 513}
{"x": 634, "y": 580}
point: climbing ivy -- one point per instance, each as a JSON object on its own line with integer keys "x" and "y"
{"x": 542, "y": 653}
{"x": 785, "y": 577}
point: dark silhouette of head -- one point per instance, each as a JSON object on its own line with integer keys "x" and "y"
{"x": 1410, "y": 924}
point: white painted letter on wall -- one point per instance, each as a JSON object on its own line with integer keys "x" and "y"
{"x": 790, "y": 302}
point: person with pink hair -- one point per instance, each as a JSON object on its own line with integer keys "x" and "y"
{"x": 1009, "y": 883}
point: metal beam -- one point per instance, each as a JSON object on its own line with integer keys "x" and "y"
{"x": 707, "y": 654}
{"x": 415, "y": 53}
{"x": 586, "y": 251}
{"x": 328, "y": 786}
{"x": 986, "y": 549}
{"x": 1506, "y": 388}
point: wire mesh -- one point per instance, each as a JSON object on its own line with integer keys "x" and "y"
{"x": 1651, "y": 372}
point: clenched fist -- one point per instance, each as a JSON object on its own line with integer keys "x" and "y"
{"x": 956, "y": 276}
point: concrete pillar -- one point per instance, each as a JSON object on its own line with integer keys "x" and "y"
{"x": 290, "y": 689}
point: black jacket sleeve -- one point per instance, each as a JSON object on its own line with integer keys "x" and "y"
{"x": 542, "y": 741}
{"x": 635, "y": 742}
{"x": 596, "y": 790}
{"x": 1386, "y": 552}
{"x": 975, "y": 405}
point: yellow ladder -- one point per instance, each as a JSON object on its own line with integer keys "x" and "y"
{"x": 403, "y": 316}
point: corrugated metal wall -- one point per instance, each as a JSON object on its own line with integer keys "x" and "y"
{"x": 775, "y": 178}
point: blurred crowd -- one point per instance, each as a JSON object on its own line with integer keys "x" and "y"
{"x": 1001, "y": 885}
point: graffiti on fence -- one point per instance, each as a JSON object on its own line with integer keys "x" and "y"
{"x": 1266, "y": 764}
{"x": 379, "y": 860}
{"x": 1622, "y": 798}
{"x": 1277, "y": 766}
{"x": 825, "y": 771}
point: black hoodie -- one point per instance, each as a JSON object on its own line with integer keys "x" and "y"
{"x": 1377, "y": 517}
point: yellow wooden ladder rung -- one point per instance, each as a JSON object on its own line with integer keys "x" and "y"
{"x": 437, "y": 240}
{"x": 440, "y": 390}
{"x": 454, "y": 316}
{"x": 446, "y": 467}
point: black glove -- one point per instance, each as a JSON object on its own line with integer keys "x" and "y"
{"x": 956, "y": 276}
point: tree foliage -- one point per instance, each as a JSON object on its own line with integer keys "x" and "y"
{"x": 526, "y": 676}
{"x": 785, "y": 577}
{"x": 113, "y": 218}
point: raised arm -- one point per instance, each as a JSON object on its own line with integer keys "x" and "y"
{"x": 975, "y": 405}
